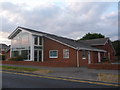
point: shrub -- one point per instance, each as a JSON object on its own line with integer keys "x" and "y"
{"x": 18, "y": 58}
{"x": 2, "y": 57}
{"x": 105, "y": 59}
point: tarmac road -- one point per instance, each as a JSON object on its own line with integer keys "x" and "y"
{"x": 14, "y": 80}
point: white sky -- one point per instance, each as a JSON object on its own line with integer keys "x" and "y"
{"x": 69, "y": 18}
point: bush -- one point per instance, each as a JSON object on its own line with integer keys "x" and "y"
{"x": 2, "y": 57}
{"x": 18, "y": 58}
{"x": 105, "y": 59}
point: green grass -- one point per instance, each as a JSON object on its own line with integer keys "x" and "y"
{"x": 20, "y": 68}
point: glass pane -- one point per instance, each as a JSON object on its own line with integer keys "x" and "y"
{"x": 35, "y": 55}
{"x": 66, "y": 53}
{"x": 36, "y": 40}
{"x": 15, "y": 53}
{"x": 40, "y": 40}
{"x": 83, "y": 54}
{"x": 40, "y": 55}
{"x": 22, "y": 39}
{"x": 24, "y": 54}
{"x": 53, "y": 53}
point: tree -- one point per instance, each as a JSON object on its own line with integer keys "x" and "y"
{"x": 116, "y": 45}
{"x": 92, "y": 36}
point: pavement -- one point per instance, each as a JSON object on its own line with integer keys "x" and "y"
{"x": 75, "y": 72}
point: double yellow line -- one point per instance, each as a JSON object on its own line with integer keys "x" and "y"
{"x": 68, "y": 79}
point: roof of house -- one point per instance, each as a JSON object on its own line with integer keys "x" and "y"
{"x": 69, "y": 42}
{"x": 3, "y": 46}
{"x": 100, "y": 41}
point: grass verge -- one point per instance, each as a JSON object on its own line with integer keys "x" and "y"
{"x": 25, "y": 69}
{"x": 109, "y": 77}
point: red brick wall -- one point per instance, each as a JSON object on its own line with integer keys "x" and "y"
{"x": 50, "y": 64}
{"x": 53, "y": 45}
{"x": 105, "y": 66}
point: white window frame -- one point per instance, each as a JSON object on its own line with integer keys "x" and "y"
{"x": 52, "y": 56}
{"x": 38, "y": 41}
{"x": 64, "y": 50}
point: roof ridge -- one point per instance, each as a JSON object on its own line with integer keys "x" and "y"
{"x": 95, "y": 39}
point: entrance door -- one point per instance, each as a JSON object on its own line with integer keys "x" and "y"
{"x": 89, "y": 61}
{"x": 38, "y": 55}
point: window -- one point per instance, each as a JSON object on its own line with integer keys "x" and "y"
{"x": 40, "y": 40}
{"x": 15, "y": 53}
{"x": 53, "y": 54}
{"x": 25, "y": 54}
{"x": 36, "y": 40}
{"x": 65, "y": 53}
{"x": 83, "y": 54}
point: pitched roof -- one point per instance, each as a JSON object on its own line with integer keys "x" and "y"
{"x": 92, "y": 42}
{"x": 69, "y": 42}
{"x": 4, "y": 46}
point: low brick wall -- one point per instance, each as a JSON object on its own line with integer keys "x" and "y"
{"x": 51, "y": 64}
{"x": 104, "y": 66}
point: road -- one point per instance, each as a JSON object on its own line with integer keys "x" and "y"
{"x": 14, "y": 80}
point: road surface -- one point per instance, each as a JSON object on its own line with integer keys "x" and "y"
{"x": 14, "y": 80}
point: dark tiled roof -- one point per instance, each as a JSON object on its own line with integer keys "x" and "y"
{"x": 64, "y": 40}
{"x": 3, "y": 46}
{"x": 100, "y": 41}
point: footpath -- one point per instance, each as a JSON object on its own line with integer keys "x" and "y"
{"x": 110, "y": 76}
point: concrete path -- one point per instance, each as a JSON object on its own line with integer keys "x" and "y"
{"x": 73, "y": 72}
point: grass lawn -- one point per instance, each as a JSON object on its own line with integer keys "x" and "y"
{"x": 34, "y": 70}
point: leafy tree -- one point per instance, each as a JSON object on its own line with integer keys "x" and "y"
{"x": 116, "y": 45}
{"x": 92, "y": 36}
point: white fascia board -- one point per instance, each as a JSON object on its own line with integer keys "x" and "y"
{"x": 32, "y": 32}
{"x": 12, "y": 33}
{"x": 92, "y": 49}
{"x": 17, "y": 30}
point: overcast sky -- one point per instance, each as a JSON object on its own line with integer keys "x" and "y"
{"x": 70, "y": 19}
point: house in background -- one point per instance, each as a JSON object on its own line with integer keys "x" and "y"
{"x": 4, "y": 51}
{"x": 38, "y": 46}
{"x": 102, "y": 43}
{"x": 3, "y": 48}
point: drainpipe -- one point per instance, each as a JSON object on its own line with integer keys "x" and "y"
{"x": 78, "y": 57}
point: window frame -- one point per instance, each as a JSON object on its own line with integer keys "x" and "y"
{"x": 53, "y": 56}
{"x": 39, "y": 40}
{"x": 64, "y": 51}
